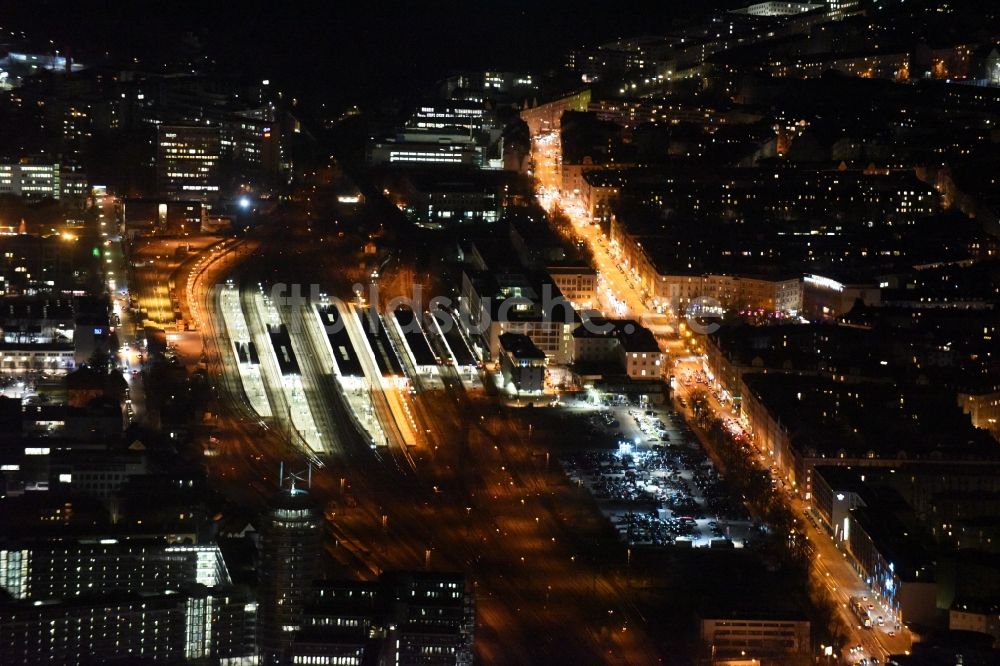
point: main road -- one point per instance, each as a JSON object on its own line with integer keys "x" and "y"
{"x": 620, "y": 294}
{"x": 831, "y": 564}
{"x": 617, "y": 290}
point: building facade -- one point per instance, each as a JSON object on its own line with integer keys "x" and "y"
{"x": 199, "y": 624}
{"x": 577, "y": 284}
{"x": 755, "y": 636}
{"x": 36, "y": 179}
{"x": 289, "y": 563}
{"x": 522, "y": 363}
{"x": 187, "y": 162}
{"x": 70, "y": 568}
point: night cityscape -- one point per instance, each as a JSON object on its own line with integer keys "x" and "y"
{"x": 402, "y": 334}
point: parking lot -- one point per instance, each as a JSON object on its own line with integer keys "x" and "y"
{"x": 654, "y": 482}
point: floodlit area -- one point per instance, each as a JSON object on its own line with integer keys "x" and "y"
{"x": 663, "y": 495}
{"x": 402, "y": 414}
{"x": 155, "y": 264}
{"x": 458, "y": 351}
{"x": 657, "y": 486}
{"x": 360, "y": 401}
{"x": 244, "y": 350}
{"x": 356, "y": 389}
{"x": 385, "y": 410}
{"x": 284, "y": 386}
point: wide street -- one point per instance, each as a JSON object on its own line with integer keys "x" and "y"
{"x": 617, "y": 293}
{"x": 831, "y": 564}
{"x": 130, "y": 355}
{"x": 620, "y": 296}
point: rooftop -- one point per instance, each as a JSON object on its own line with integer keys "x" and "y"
{"x": 900, "y": 545}
{"x": 520, "y": 346}
{"x": 831, "y": 419}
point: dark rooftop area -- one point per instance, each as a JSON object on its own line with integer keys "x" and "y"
{"x": 826, "y": 418}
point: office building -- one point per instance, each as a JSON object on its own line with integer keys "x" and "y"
{"x": 31, "y": 265}
{"x": 341, "y": 624}
{"x": 894, "y": 563}
{"x": 289, "y": 564}
{"x": 38, "y": 179}
{"x": 517, "y": 302}
{"x": 152, "y": 216}
{"x": 982, "y": 618}
{"x": 898, "y": 523}
{"x": 452, "y": 132}
{"x": 578, "y": 284}
{"x": 48, "y": 334}
{"x": 451, "y": 197}
{"x": 755, "y": 636}
{"x": 111, "y": 597}
{"x": 187, "y": 162}
{"x": 251, "y": 140}
{"x": 184, "y": 625}
{"x": 436, "y": 135}
{"x": 621, "y": 346}
{"x": 432, "y": 618}
{"x": 426, "y": 149}
{"x": 466, "y": 116}
{"x": 64, "y": 568}
{"x": 491, "y": 85}
{"x": 773, "y": 8}
{"x": 410, "y": 618}
{"x": 38, "y": 334}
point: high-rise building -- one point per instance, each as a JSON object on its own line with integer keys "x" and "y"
{"x": 289, "y": 562}
{"x": 115, "y": 598}
{"x": 187, "y": 162}
{"x": 58, "y": 569}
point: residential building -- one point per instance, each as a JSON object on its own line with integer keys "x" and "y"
{"x": 800, "y": 422}
{"x": 622, "y": 344}
{"x": 547, "y": 116}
